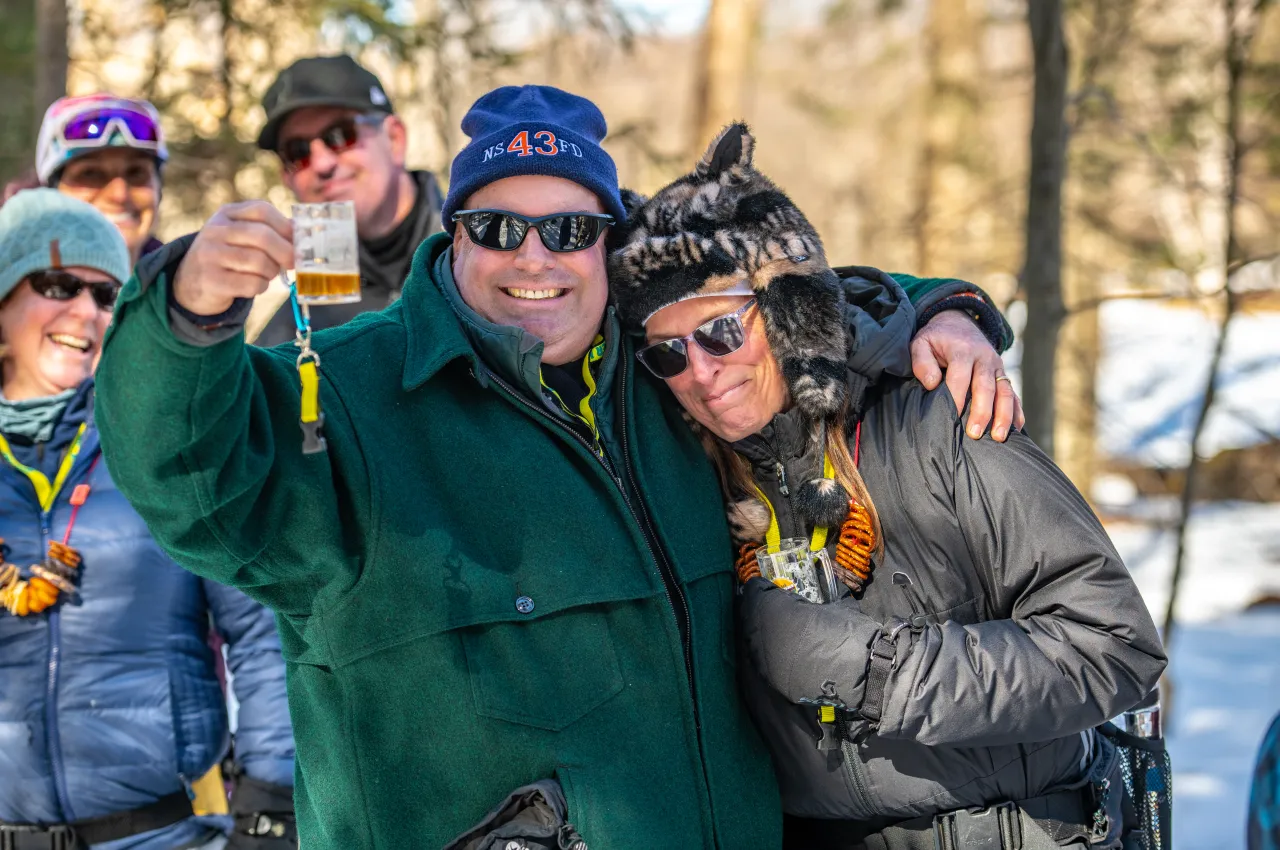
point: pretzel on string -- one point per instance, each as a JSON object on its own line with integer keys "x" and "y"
{"x": 22, "y": 597}
{"x": 853, "y": 550}
{"x": 747, "y": 567}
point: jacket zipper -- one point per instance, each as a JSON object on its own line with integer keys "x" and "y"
{"x": 674, "y": 593}
{"x": 853, "y": 765}
{"x": 52, "y": 736}
{"x": 675, "y": 597}
{"x": 53, "y": 739}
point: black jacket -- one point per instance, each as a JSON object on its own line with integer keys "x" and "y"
{"x": 380, "y": 280}
{"x": 1028, "y": 631}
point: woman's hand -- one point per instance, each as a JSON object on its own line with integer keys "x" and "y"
{"x": 951, "y": 342}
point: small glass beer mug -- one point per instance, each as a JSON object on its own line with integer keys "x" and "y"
{"x": 794, "y": 567}
{"x": 326, "y": 253}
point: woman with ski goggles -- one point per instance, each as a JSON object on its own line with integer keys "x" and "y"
{"x": 108, "y": 151}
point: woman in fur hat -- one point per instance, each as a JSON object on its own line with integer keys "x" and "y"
{"x": 983, "y": 623}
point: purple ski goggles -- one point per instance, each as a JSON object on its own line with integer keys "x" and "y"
{"x": 94, "y": 128}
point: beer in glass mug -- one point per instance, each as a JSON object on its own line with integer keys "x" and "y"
{"x": 326, "y": 253}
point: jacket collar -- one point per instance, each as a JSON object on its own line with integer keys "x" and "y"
{"x": 514, "y": 354}
{"x": 441, "y": 327}
{"x": 433, "y": 329}
{"x": 423, "y": 221}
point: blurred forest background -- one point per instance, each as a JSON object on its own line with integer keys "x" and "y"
{"x": 1109, "y": 170}
{"x": 1133, "y": 143}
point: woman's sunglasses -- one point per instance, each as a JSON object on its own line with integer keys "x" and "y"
{"x": 718, "y": 337}
{"x": 562, "y": 233}
{"x": 341, "y": 135}
{"x": 63, "y": 286}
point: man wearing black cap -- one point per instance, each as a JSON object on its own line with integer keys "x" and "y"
{"x": 338, "y": 138}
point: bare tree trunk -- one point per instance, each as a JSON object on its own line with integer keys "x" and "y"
{"x": 17, "y": 77}
{"x": 227, "y": 84}
{"x": 727, "y": 48}
{"x": 53, "y": 53}
{"x": 945, "y": 185}
{"x": 1042, "y": 271}
{"x": 1076, "y": 381}
{"x": 1239, "y": 38}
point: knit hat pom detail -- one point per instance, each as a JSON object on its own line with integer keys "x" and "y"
{"x": 823, "y": 502}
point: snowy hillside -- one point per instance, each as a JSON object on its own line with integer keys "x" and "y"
{"x": 1155, "y": 360}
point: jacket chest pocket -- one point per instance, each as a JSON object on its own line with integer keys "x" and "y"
{"x": 547, "y": 672}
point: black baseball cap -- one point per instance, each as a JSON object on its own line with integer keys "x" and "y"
{"x": 320, "y": 81}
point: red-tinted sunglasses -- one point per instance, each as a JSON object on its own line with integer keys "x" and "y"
{"x": 341, "y": 135}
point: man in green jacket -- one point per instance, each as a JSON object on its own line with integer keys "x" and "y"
{"x": 511, "y": 563}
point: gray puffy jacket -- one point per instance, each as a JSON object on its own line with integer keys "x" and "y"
{"x": 1028, "y": 630}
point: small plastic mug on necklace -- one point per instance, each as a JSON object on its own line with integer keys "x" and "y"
{"x": 794, "y": 566}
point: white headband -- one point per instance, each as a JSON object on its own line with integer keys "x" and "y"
{"x": 739, "y": 288}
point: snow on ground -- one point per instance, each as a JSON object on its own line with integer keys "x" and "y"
{"x": 1155, "y": 362}
{"x": 1227, "y": 689}
{"x": 1234, "y": 558}
{"x": 1225, "y": 661}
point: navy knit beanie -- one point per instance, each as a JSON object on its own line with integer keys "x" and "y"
{"x": 518, "y": 130}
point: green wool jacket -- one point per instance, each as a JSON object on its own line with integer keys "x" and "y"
{"x": 472, "y": 594}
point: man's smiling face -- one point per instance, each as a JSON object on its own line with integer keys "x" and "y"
{"x": 559, "y": 298}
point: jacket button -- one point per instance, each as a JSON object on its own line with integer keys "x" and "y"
{"x": 524, "y": 604}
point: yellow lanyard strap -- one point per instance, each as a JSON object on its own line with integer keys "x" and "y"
{"x": 46, "y": 493}
{"x": 312, "y": 420}
{"x": 310, "y": 390}
{"x": 773, "y": 537}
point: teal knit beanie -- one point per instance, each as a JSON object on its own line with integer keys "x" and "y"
{"x": 45, "y": 229}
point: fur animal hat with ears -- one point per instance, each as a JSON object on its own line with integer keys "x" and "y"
{"x": 725, "y": 228}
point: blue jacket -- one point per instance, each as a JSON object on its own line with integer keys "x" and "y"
{"x": 111, "y": 701}
{"x": 1264, "y": 801}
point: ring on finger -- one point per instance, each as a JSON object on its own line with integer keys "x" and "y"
{"x": 1000, "y": 378}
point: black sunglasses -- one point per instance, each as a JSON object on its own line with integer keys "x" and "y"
{"x": 341, "y": 135}
{"x": 562, "y": 233}
{"x": 718, "y": 337}
{"x": 63, "y": 286}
